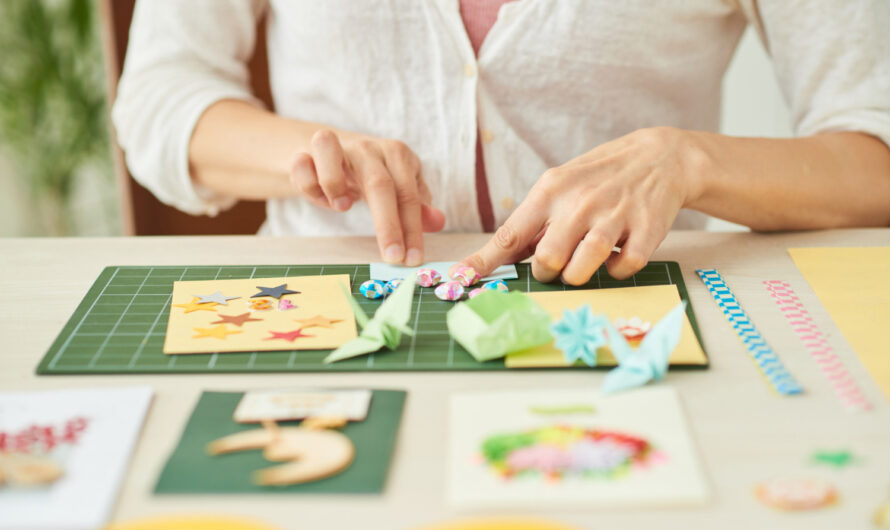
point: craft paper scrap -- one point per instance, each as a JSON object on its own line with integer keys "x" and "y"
{"x": 647, "y": 303}
{"x": 260, "y": 314}
{"x": 634, "y": 451}
{"x": 282, "y": 405}
{"x": 495, "y": 323}
{"x": 854, "y": 286}
{"x": 386, "y": 328}
{"x": 190, "y": 470}
{"x": 86, "y": 434}
{"x": 386, "y": 272}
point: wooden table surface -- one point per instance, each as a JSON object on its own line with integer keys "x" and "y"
{"x": 744, "y": 433}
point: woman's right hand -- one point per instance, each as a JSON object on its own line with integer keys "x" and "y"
{"x": 342, "y": 168}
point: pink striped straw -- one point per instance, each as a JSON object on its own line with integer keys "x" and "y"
{"x": 814, "y": 342}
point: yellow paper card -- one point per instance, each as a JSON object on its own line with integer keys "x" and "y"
{"x": 854, "y": 286}
{"x": 317, "y": 316}
{"x": 649, "y": 303}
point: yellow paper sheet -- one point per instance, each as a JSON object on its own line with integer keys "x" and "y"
{"x": 650, "y": 303}
{"x": 320, "y": 296}
{"x": 854, "y": 286}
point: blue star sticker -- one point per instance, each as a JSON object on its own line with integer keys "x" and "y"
{"x": 274, "y": 292}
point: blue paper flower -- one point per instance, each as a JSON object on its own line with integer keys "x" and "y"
{"x": 579, "y": 334}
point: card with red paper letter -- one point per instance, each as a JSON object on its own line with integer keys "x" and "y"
{"x": 63, "y": 454}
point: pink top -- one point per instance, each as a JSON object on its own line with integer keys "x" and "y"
{"x": 478, "y": 17}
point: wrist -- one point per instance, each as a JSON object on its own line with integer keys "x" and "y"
{"x": 699, "y": 165}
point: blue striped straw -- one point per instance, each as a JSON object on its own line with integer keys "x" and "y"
{"x": 764, "y": 357}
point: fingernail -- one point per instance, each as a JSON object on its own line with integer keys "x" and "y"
{"x": 413, "y": 258}
{"x": 341, "y": 204}
{"x": 394, "y": 253}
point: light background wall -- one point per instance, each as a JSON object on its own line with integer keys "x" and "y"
{"x": 752, "y": 106}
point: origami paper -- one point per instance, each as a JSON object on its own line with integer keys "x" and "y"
{"x": 217, "y": 297}
{"x": 217, "y": 332}
{"x": 236, "y": 320}
{"x": 275, "y": 292}
{"x": 853, "y": 285}
{"x": 579, "y": 334}
{"x": 649, "y": 303}
{"x": 256, "y": 318}
{"x": 386, "y": 272}
{"x": 493, "y": 324}
{"x": 195, "y": 305}
{"x": 648, "y": 362}
{"x": 386, "y": 328}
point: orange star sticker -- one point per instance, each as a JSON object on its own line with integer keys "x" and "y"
{"x": 317, "y": 321}
{"x": 195, "y": 306}
{"x": 288, "y": 335}
{"x": 216, "y": 332}
{"x": 237, "y": 320}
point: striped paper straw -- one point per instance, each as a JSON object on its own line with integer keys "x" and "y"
{"x": 814, "y": 342}
{"x": 763, "y": 356}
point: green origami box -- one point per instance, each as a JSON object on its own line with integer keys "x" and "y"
{"x": 494, "y": 324}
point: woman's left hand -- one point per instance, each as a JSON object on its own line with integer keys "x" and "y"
{"x": 624, "y": 193}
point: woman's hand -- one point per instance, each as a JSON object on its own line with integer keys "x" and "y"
{"x": 624, "y": 193}
{"x": 342, "y": 168}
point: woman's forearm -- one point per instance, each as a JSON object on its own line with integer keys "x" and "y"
{"x": 244, "y": 151}
{"x": 828, "y": 180}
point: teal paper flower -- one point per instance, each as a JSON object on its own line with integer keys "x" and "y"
{"x": 579, "y": 334}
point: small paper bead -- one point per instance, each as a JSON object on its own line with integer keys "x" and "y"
{"x": 428, "y": 277}
{"x": 392, "y": 285}
{"x": 450, "y": 291}
{"x": 496, "y": 285}
{"x": 467, "y": 276}
{"x": 476, "y": 292}
{"x": 373, "y": 289}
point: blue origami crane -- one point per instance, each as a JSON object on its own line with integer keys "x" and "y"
{"x": 579, "y": 334}
{"x": 649, "y": 361}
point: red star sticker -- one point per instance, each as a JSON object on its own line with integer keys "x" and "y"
{"x": 289, "y": 336}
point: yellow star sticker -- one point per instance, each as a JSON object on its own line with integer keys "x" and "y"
{"x": 217, "y": 332}
{"x": 195, "y": 306}
{"x": 317, "y": 321}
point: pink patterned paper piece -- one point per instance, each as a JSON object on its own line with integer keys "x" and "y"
{"x": 284, "y": 304}
{"x": 450, "y": 291}
{"x": 814, "y": 342}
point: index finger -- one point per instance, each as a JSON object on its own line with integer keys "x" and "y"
{"x": 380, "y": 194}
{"x": 511, "y": 242}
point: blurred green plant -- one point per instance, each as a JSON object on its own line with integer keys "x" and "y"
{"x": 52, "y": 100}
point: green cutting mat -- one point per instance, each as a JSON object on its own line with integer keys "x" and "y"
{"x": 191, "y": 470}
{"x": 119, "y": 326}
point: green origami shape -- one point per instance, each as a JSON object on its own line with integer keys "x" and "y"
{"x": 384, "y": 329}
{"x": 494, "y": 324}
